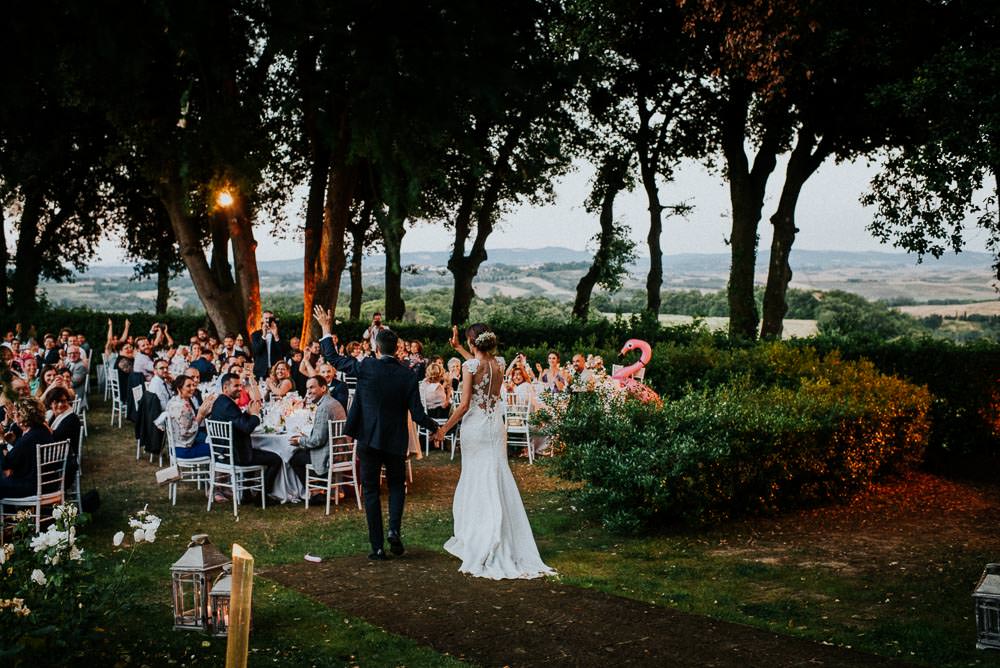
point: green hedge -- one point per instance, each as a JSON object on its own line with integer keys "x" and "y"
{"x": 819, "y": 429}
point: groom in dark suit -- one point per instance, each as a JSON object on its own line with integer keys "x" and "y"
{"x": 386, "y": 391}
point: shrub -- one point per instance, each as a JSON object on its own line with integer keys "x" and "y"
{"x": 809, "y": 431}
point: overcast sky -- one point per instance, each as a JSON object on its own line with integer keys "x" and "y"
{"x": 829, "y": 217}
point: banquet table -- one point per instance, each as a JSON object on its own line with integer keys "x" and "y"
{"x": 287, "y": 486}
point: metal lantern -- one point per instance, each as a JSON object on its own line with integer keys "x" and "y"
{"x": 191, "y": 578}
{"x": 987, "y": 600}
{"x": 218, "y": 602}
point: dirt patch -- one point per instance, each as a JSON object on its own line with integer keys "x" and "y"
{"x": 539, "y": 622}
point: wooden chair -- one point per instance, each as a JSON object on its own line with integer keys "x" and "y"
{"x": 50, "y": 485}
{"x": 342, "y": 470}
{"x": 241, "y": 478}
{"x": 195, "y": 469}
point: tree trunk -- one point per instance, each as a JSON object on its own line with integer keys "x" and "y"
{"x": 162, "y": 280}
{"x": 612, "y": 179}
{"x": 465, "y": 267}
{"x": 746, "y": 192}
{"x": 221, "y": 304}
{"x": 359, "y": 229}
{"x": 312, "y": 236}
{"x": 337, "y": 214}
{"x": 247, "y": 274}
{"x": 802, "y": 163}
{"x": 27, "y": 259}
{"x": 392, "y": 237}
{"x": 648, "y": 168}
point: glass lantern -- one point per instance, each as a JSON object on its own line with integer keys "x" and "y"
{"x": 218, "y": 602}
{"x": 191, "y": 576}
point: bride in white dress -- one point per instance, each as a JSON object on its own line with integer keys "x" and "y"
{"x": 492, "y": 534}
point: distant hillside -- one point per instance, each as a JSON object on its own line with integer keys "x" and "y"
{"x": 683, "y": 263}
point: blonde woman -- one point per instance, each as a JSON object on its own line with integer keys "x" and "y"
{"x": 435, "y": 391}
{"x": 279, "y": 381}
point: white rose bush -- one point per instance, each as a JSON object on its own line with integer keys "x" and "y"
{"x": 49, "y": 597}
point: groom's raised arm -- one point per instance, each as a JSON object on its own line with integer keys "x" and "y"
{"x": 348, "y": 365}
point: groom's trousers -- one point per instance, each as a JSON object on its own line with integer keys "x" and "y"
{"x": 372, "y": 461}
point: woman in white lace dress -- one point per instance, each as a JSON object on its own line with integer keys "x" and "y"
{"x": 492, "y": 534}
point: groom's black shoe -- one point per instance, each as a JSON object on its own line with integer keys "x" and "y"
{"x": 395, "y": 544}
{"x": 378, "y": 555}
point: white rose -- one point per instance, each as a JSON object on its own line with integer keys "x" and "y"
{"x": 55, "y": 559}
{"x": 150, "y": 535}
{"x": 38, "y": 577}
{"x": 138, "y": 535}
{"x": 57, "y": 513}
{"x": 75, "y": 553}
{"x": 119, "y": 537}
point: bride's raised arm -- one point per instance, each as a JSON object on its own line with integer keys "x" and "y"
{"x": 457, "y": 345}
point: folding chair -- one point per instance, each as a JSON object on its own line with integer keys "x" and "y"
{"x": 50, "y": 486}
{"x": 241, "y": 478}
{"x": 343, "y": 467}
{"x": 117, "y": 405}
{"x": 519, "y": 429}
{"x": 194, "y": 469}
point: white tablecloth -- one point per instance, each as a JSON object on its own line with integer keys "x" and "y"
{"x": 287, "y": 486}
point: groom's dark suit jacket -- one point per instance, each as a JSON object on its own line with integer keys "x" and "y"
{"x": 386, "y": 391}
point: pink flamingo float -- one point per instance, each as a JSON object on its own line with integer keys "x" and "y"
{"x": 624, "y": 376}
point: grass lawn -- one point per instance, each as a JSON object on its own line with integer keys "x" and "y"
{"x": 890, "y": 573}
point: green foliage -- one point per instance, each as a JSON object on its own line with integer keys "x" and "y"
{"x": 845, "y": 314}
{"x": 50, "y": 597}
{"x": 794, "y": 429}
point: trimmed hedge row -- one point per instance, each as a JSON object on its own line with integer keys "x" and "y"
{"x": 819, "y": 429}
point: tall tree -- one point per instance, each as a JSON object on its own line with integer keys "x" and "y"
{"x": 185, "y": 86}
{"x": 638, "y": 95}
{"x": 935, "y": 181}
{"x": 615, "y": 251}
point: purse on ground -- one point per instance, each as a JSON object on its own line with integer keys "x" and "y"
{"x": 168, "y": 474}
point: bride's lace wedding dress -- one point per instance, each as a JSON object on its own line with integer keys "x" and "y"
{"x": 492, "y": 535}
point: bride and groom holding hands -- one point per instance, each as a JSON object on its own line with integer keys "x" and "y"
{"x": 492, "y": 535}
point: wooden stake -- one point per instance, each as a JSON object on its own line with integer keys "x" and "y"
{"x": 238, "y": 644}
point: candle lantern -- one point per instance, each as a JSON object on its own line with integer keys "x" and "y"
{"x": 218, "y": 602}
{"x": 191, "y": 577}
{"x": 987, "y": 602}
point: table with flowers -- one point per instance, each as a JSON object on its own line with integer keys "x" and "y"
{"x": 280, "y": 420}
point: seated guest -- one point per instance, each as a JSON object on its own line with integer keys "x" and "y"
{"x": 51, "y": 353}
{"x": 416, "y": 360}
{"x": 243, "y": 424}
{"x": 64, "y": 379}
{"x": 204, "y": 364}
{"x": 65, "y": 425}
{"x": 314, "y": 448}
{"x": 143, "y": 360}
{"x": 433, "y": 393}
{"x": 160, "y": 382}
{"x": 299, "y": 379}
{"x": 521, "y": 391}
{"x": 335, "y": 388}
{"x": 29, "y": 372}
{"x": 229, "y": 347}
{"x": 279, "y": 381}
{"x": 18, "y": 474}
{"x": 48, "y": 377}
{"x": 78, "y": 370}
{"x": 455, "y": 373}
{"x": 190, "y": 439}
{"x": 195, "y": 375}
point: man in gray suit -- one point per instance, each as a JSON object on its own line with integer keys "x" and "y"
{"x": 78, "y": 368}
{"x": 313, "y": 448}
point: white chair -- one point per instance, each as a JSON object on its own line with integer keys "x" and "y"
{"x": 342, "y": 468}
{"x": 192, "y": 469}
{"x": 102, "y": 378}
{"x": 117, "y": 405}
{"x": 75, "y": 488}
{"x": 519, "y": 428}
{"x": 81, "y": 412}
{"x": 137, "y": 392}
{"x": 241, "y": 478}
{"x": 50, "y": 486}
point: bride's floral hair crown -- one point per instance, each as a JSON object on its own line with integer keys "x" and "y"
{"x": 482, "y": 337}
{"x": 487, "y": 341}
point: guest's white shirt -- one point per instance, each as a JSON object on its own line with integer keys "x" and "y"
{"x": 143, "y": 364}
